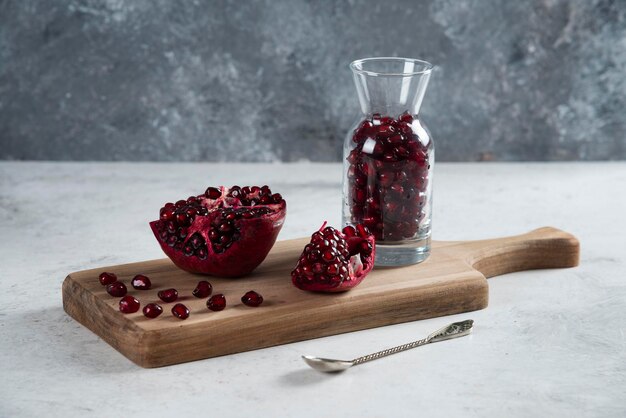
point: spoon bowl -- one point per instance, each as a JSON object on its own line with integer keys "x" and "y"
{"x": 327, "y": 365}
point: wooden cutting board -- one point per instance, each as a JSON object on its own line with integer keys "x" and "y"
{"x": 451, "y": 281}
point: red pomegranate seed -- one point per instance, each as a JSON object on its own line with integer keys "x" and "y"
{"x": 216, "y": 302}
{"x": 107, "y": 278}
{"x": 212, "y": 193}
{"x": 406, "y": 117}
{"x": 152, "y": 310}
{"x": 117, "y": 289}
{"x": 396, "y": 140}
{"x": 203, "y": 289}
{"x": 386, "y": 130}
{"x": 252, "y": 298}
{"x": 182, "y": 219}
{"x": 141, "y": 282}
{"x": 180, "y": 311}
{"x": 167, "y": 214}
{"x": 168, "y": 295}
{"x": 129, "y": 304}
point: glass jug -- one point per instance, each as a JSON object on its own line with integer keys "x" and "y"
{"x": 388, "y": 159}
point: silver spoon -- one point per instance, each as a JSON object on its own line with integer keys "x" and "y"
{"x": 454, "y": 330}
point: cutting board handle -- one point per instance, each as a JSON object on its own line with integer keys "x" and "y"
{"x": 539, "y": 249}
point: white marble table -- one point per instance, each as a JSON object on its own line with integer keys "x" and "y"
{"x": 551, "y": 343}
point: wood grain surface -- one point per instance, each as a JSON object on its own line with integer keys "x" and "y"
{"x": 452, "y": 280}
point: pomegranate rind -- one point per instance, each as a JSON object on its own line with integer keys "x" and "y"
{"x": 257, "y": 237}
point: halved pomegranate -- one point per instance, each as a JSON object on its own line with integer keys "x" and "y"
{"x": 224, "y": 232}
{"x": 335, "y": 261}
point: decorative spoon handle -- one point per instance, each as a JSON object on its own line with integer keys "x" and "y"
{"x": 454, "y": 330}
{"x": 389, "y": 351}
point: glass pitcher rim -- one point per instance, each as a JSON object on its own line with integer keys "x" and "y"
{"x": 357, "y": 67}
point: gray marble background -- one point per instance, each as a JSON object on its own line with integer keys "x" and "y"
{"x": 268, "y": 80}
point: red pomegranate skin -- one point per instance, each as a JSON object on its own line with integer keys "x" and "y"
{"x": 255, "y": 236}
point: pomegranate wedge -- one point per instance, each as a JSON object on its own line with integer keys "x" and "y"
{"x": 335, "y": 261}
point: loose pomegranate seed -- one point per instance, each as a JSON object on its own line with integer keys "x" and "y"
{"x": 107, "y": 278}
{"x": 252, "y": 298}
{"x": 117, "y": 289}
{"x": 168, "y": 295}
{"x": 180, "y": 311}
{"x": 216, "y": 302}
{"x": 152, "y": 310}
{"x": 129, "y": 304}
{"x": 203, "y": 289}
{"x": 141, "y": 282}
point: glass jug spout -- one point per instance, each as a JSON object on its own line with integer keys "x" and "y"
{"x": 391, "y": 85}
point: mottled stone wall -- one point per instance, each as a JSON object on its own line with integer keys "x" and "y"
{"x": 268, "y": 80}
